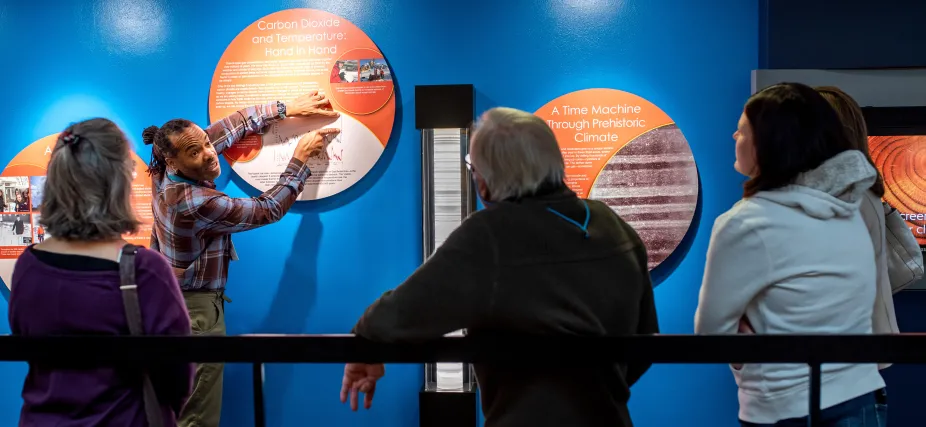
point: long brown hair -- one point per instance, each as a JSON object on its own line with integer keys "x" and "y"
{"x": 854, "y": 122}
{"x": 794, "y": 130}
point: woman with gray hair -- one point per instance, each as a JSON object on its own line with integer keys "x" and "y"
{"x": 70, "y": 284}
{"x": 538, "y": 260}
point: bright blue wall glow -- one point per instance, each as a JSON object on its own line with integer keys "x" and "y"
{"x": 143, "y": 62}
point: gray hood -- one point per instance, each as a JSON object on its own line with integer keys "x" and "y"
{"x": 834, "y": 189}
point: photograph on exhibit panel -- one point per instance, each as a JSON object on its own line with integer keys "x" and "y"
{"x": 15, "y": 190}
{"x": 15, "y": 230}
{"x": 344, "y": 71}
{"x": 372, "y": 70}
{"x": 38, "y": 231}
{"x": 36, "y": 190}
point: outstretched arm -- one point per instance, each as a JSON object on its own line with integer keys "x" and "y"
{"x": 228, "y": 131}
{"x": 452, "y": 290}
{"x": 219, "y": 214}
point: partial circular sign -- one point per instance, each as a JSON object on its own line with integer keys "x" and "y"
{"x": 22, "y": 184}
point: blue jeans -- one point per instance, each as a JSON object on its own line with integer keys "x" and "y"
{"x": 881, "y": 407}
{"x": 881, "y": 411}
{"x": 862, "y": 411}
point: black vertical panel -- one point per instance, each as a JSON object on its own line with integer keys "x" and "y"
{"x": 444, "y": 106}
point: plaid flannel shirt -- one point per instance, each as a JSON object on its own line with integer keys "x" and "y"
{"x": 193, "y": 221}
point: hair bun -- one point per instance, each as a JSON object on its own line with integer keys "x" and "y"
{"x": 148, "y": 134}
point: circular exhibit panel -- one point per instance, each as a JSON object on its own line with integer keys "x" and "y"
{"x": 624, "y": 151}
{"x": 22, "y": 185}
{"x": 294, "y": 52}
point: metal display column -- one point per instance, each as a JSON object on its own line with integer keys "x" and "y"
{"x": 443, "y": 114}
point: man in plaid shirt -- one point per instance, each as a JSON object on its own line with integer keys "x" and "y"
{"x": 193, "y": 221}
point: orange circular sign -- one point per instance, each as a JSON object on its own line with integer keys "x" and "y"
{"x": 21, "y": 186}
{"x": 293, "y": 52}
{"x": 622, "y": 150}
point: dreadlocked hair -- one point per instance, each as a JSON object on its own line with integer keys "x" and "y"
{"x": 162, "y": 147}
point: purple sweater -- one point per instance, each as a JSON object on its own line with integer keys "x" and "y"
{"x": 56, "y": 294}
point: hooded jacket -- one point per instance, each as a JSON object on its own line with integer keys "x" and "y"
{"x": 884, "y": 320}
{"x": 795, "y": 260}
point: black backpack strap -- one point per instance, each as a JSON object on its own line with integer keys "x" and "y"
{"x": 133, "y": 314}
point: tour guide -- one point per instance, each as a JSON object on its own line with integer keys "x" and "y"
{"x": 193, "y": 221}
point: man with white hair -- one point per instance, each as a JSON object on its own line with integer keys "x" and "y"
{"x": 538, "y": 260}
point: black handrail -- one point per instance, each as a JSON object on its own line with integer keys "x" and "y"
{"x": 813, "y": 350}
{"x": 900, "y": 348}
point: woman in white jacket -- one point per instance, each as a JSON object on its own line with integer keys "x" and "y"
{"x": 884, "y": 320}
{"x": 794, "y": 257}
{"x": 874, "y": 211}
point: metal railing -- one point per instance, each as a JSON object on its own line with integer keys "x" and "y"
{"x": 813, "y": 350}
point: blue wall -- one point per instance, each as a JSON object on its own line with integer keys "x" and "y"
{"x": 316, "y": 270}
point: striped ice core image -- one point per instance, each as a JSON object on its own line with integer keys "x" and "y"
{"x": 652, "y": 183}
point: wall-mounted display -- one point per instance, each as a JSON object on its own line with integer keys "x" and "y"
{"x": 293, "y": 52}
{"x": 21, "y": 190}
{"x": 622, "y": 150}
{"x": 902, "y": 161}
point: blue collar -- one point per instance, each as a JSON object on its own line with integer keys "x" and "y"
{"x": 583, "y": 227}
{"x": 177, "y": 178}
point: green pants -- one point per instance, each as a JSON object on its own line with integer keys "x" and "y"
{"x": 207, "y": 317}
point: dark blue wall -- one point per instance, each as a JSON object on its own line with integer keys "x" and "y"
{"x": 142, "y": 62}
{"x": 820, "y": 34}
{"x": 905, "y": 382}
